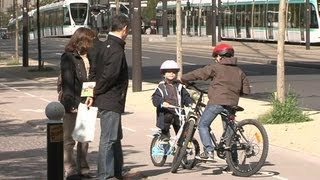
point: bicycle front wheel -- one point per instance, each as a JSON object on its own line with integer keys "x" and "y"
{"x": 157, "y": 151}
{"x": 180, "y": 155}
{"x": 248, "y": 148}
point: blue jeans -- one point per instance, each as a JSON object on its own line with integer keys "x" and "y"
{"x": 110, "y": 162}
{"x": 210, "y": 113}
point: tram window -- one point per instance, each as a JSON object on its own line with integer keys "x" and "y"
{"x": 313, "y": 17}
{"x": 66, "y": 17}
{"x": 78, "y": 12}
{"x": 60, "y": 17}
{"x": 258, "y": 14}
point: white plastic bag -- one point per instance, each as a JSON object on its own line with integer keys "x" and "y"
{"x": 85, "y": 123}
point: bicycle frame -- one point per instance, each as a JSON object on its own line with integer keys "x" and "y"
{"x": 161, "y": 150}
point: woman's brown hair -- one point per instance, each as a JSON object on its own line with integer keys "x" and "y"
{"x": 80, "y": 41}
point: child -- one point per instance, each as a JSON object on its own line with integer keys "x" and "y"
{"x": 228, "y": 83}
{"x": 169, "y": 93}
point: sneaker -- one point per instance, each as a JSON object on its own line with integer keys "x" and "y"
{"x": 208, "y": 156}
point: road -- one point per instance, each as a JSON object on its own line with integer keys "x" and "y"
{"x": 137, "y": 124}
{"x": 305, "y": 82}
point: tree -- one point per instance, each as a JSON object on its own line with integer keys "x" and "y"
{"x": 44, "y": 2}
{"x": 150, "y": 11}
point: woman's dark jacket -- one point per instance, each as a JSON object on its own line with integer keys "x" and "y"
{"x": 111, "y": 75}
{"x": 73, "y": 74}
{"x": 159, "y": 96}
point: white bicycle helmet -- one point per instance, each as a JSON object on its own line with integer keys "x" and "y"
{"x": 169, "y": 64}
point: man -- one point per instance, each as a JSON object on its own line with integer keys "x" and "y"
{"x": 111, "y": 76}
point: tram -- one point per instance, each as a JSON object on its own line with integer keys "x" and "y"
{"x": 247, "y": 19}
{"x": 58, "y": 19}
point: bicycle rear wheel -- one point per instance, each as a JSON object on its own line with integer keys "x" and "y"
{"x": 180, "y": 155}
{"x": 248, "y": 148}
{"x": 158, "y": 151}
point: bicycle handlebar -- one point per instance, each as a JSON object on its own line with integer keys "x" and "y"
{"x": 192, "y": 85}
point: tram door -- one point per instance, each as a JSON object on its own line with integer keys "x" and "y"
{"x": 272, "y": 22}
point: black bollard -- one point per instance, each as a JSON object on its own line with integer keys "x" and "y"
{"x": 55, "y": 112}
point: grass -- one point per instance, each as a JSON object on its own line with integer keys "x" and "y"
{"x": 286, "y": 112}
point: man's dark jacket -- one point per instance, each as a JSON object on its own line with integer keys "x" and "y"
{"x": 111, "y": 75}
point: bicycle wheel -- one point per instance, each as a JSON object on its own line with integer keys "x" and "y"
{"x": 157, "y": 151}
{"x": 181, "y": 154}
{"x": 189, "y": 160}
{"x": 248, "y": 148}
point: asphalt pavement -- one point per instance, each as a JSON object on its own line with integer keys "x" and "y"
{"x": 23, "y": 134}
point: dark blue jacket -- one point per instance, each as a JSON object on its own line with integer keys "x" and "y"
{"x": 158, "y": 97}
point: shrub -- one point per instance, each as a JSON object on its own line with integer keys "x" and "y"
{"x": 286, "y": 112}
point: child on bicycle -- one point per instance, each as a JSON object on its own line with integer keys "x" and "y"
{"x": 228, "y": 83}
{"x": 168, "y": 96}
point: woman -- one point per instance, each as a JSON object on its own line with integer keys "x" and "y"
{"x": 74, "y": 71}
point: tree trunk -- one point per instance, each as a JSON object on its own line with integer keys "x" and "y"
{"x": 280, "y": 58}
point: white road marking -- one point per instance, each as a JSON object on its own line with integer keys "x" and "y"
{"x": 129, "y": 129}
{"x": 279, "y": 177}
{"x": 187, "y": 63}
{"x": 9, "y": 87}
{"x": 144, "y": 57}
{"x": 45, "y": 100}
{"x": 150, "y": 136}
{"x": 33, "y": 110}
{"x": 30, "y": 94}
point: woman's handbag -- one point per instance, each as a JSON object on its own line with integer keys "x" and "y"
{"x": 85, "y": 123}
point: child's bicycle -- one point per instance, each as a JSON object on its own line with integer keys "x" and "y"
{"x": 161, "y": 147}
{"x": 243, "y": 144}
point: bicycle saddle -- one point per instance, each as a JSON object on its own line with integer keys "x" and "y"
{"x": 234, "y": 108}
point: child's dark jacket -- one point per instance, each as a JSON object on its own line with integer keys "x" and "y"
{"x": 158, "y": 97}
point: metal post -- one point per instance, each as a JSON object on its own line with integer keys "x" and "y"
{"x": 16, "y": 15}
{"x": 25, "y": 42}
{"x": 307, "y": 25}
{"x": 55, "y": 112}
{"x": 136, "y": 49}
{"x": 214, "y": 18}
{"x": 219, "y": 20}
{"x": 40, "y": 65}
{"x": 164, "y": 19}
{"x": 179, "y": 37}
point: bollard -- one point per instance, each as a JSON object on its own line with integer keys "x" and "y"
{"x": 55, "y": 112}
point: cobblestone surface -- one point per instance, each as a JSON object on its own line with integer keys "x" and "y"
{"x": 18, "y": 155}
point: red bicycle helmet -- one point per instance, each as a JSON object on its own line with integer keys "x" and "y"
{"x": 224, "y": 50}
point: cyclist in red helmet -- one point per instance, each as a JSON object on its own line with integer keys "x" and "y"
{"x": 228, "y": 83}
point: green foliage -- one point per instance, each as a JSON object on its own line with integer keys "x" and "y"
{"x": 44, "y": 2}
{"x": 286, "y": 112}
{"x": 150, "y": 11}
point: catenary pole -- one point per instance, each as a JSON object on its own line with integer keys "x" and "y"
{"x": 136, "y": 49}
{"x": 25, "y": 34}
{"x": 179, "y": 37}
{"x": 214, "y": 24}
{"x": 40, "y": 65}
{"x": 164, "y": 19}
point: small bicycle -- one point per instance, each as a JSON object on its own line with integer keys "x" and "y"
{"x": 243, "y": 144}
{"x": 160, "y": 148}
